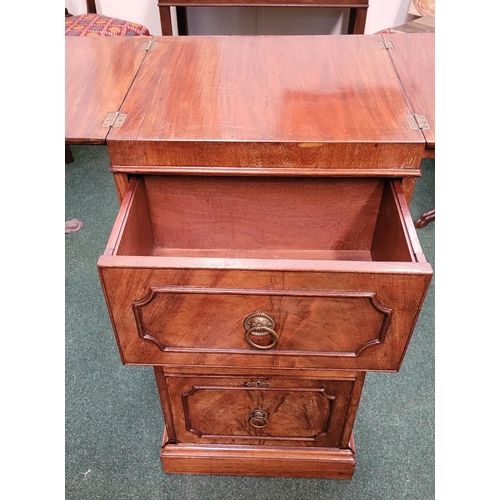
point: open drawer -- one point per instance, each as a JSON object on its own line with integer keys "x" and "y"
{"x": 264, "y": 272}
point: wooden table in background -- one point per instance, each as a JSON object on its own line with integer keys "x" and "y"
{"x": 357, "y": 16}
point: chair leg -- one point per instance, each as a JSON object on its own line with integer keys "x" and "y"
{"x": 425, "y": 219}
{"x": 68, "y": 154}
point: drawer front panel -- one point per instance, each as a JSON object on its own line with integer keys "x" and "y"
{"x": 267, "y": 411}
{"x": 339, "y": 323}
{"x": 338, "y": 320}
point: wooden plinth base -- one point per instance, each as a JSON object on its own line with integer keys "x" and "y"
{"x": 325, "y": 463}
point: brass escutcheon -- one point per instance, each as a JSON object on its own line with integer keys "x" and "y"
{"x": 258, "y": 383}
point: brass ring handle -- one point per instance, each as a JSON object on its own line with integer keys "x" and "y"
{"x": 256, "y": 330}
{"x": 258, "y": 416}
{"x": 260, "y": 324}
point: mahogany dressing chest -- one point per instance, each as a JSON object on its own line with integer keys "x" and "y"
{"x": 263, "y": 258}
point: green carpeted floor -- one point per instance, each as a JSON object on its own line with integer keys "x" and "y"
{"x": 113, "y": 415}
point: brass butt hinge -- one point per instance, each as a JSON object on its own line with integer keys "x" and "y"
{"x": 114, "y": 120}
{"x": 418, "y": 122}
{"x": 149, "y": 46}
{"x": 385, "y": 44}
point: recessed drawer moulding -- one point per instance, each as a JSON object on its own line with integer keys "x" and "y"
{"x": 286, "y": 412}
{"x": 323, "y": 322}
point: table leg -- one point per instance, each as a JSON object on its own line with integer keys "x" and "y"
{"x": 165, "y": 20}
{"x": 357, "y": 21}
{"x": 68, "y": 154}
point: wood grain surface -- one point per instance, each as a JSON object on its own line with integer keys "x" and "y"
{"x": 99, "y": 72}
{"x": 414, "y": 58}
{"x": 264, "y": 101}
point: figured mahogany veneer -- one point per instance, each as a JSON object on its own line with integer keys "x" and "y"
{"x": 220, "y": 410}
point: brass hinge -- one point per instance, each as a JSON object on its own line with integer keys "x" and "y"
{"x": 385, "y": 44}
{"x": 418, "y": 122}
{"x": 149, "y": 46}
{"x": 114, "y": 120}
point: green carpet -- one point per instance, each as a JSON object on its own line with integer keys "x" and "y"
{"x": 113, "y": 415}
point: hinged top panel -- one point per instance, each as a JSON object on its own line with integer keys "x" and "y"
{"x": 99, "y": 72}
{"x": 414, "y": 58}
{"x": 287, "y": 102}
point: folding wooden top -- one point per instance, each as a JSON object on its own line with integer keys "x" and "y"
{"x": 414, "y": 58}
{"x": 99, "y": 72}
{"x": 251, "y": 104}
{"x": 267, "y": 102}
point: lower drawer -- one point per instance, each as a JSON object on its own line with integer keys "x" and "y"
{"x": 260, "y": 411}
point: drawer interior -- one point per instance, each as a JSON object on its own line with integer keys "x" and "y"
{"x": 353, "y": 219}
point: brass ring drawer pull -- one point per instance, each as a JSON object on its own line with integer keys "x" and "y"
{"x": 260, "y": 324}
{"x": 258, "y": 419}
